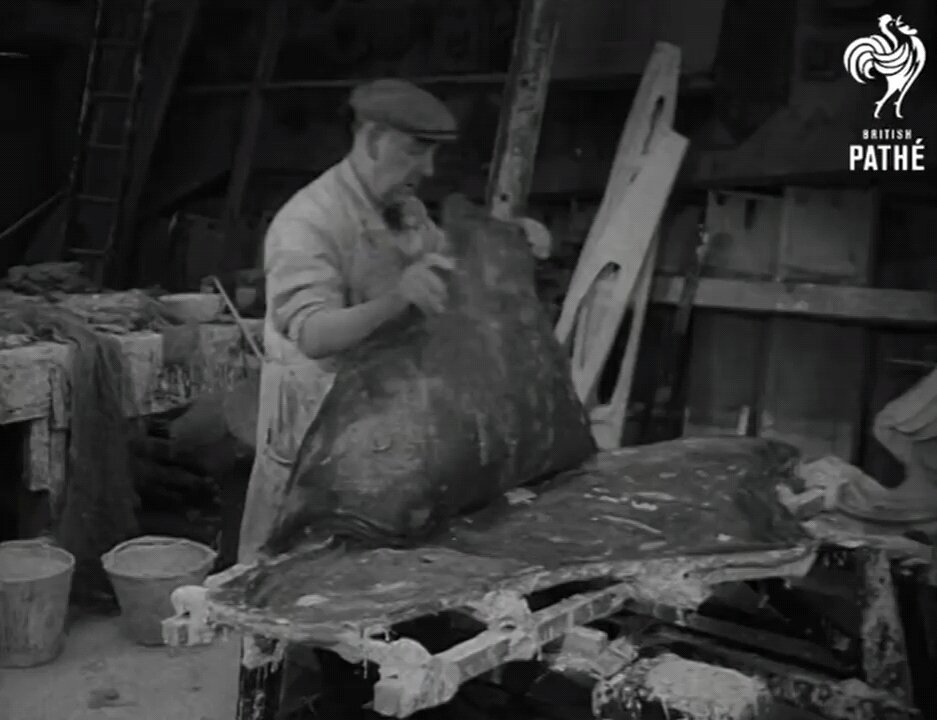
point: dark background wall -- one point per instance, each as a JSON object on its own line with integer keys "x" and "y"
{"x": 39, "y": 99}
{"x": 763, "y": 86}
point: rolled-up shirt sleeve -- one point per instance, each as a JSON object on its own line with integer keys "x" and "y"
{"x": 304, "y": 276}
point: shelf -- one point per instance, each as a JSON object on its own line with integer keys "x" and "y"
{"x": 862, "y": 304}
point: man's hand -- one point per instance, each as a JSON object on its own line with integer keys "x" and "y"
{"x": 538, "y": 237}
{"x": 421, "y": 284}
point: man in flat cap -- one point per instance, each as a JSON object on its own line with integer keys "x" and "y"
{"x": 348, "y": 253}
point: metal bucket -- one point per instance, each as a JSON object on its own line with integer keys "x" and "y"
{"x": 144, "y": 572}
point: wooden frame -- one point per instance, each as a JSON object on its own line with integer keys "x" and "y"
{"x": 522, "y": 106}
{"x": 835, "y": 302}
{"x": 412, "y": 678}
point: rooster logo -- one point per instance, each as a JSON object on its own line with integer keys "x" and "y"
{"x": 897, "y": 54}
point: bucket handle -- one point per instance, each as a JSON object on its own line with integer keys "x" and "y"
{"x": 108, "y": 558}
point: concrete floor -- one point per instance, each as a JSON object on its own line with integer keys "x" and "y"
{"x": 100, "y": 666}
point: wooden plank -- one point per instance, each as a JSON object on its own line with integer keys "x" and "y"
{"x": 45, "y": 464}
{"x": 25, "y": 390}
{"x": 743, "y": 636}
{"x": 640, "y": 211}
{"x": 45, "y": 459}
{"x": 884, "y": 650}
{"x": 522, "y": 104}
{"x": 745, "y": 228}
{"x": 402, "y": 691}
{"x": 728, "y": 354}
{"x": 838, "y": 302}
{"x": 814, "y": 371}
{"x": 614, "y": 288}
{"x": 608, "y": 420}
{"x": 651, "y": 115}
{"x": 600, "y": 296}
{"x": 828, "y": 234}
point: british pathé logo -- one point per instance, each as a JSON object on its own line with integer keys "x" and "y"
{"x": 896, "y": 55}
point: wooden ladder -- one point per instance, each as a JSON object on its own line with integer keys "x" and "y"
{"x": 114, "y": 143}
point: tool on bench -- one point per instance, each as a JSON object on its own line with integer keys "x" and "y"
{"x": 242, "y": 326}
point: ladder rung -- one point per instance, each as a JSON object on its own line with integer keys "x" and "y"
{"x": 99, "y": 199}
{"x": 107, "y": 147}
{"x": 110, "y": 96}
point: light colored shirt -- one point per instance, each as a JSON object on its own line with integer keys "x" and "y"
{"x": 328, "y": 247}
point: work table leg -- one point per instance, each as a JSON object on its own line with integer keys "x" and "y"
{"x": 259, "y": 687}
{"x": 45, "y": 455}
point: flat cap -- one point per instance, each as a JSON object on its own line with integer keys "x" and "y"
{"x": 405, "y": 107}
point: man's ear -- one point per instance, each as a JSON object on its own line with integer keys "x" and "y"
{"x": 372, "y": 140}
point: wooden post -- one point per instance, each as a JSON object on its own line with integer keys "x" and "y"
{"x": 884, "y": 651}
{"x": 259, "y": 686}
{"x": 277, "y": 16}
{"x": 45, "y": 457}
{"x": 525, "y": 95}
{"x": 158, "y": 92}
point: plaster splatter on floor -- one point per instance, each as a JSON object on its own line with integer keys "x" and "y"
{"x": 103, "y": 676}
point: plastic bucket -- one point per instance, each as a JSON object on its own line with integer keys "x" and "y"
{"x": 145, "y": 571}
{"x": 35, "y": 582}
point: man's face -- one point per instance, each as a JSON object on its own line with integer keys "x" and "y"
{"x": 401, "y": 162}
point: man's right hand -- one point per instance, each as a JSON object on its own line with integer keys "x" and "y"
{"x": 421, "y": 284}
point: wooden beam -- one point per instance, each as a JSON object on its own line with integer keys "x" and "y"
{"x": 405, "y": 688}
{"x": 171, "y": 40}
{"x": 884, "y": 650}
{"x": 276, "y": 22}
{"x": 612, "y": 80}
{"x": 525, "y": 95}
{"x": 844, "y": 302}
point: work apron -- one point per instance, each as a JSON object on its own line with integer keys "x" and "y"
{"x": 291, "y": 391}
{"x": 293, "y": 387}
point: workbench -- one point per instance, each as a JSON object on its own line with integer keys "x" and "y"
{"x": 166, "y": 370}
{"x": 532, "y": 576}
